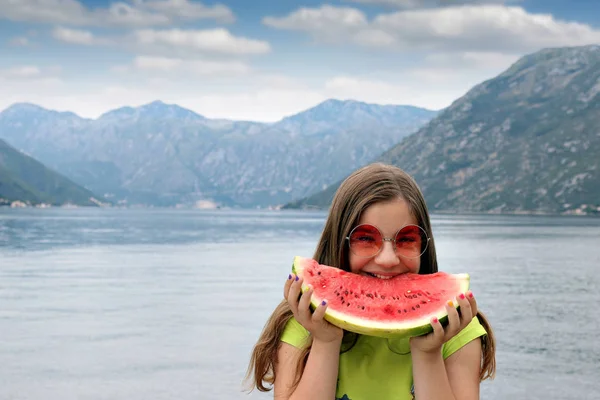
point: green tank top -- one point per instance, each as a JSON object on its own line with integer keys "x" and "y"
{"x": 378, "y": 368}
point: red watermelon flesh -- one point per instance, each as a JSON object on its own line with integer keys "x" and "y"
{"x": 397, "y": 307}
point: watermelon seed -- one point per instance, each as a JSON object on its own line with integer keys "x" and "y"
{"x": 413, "y": 308}
{"x": 418, "y": 306}
{"x": 399, "y": 311}
{"x": 342, "y": 301}
{"x": 356, "y": 296}
{"x": 319, "y": 273}
{"x": 405, "y": 310}
{"x": 382, "y": 297}
{"x": 363, "y": 307}
{"x": 346, "y": 292}
{"x": 351, "y": 292}
{"x": 347, "y": 304}
{"x": 369, "y": 295}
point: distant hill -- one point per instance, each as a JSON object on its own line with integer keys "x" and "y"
{"x": 163, "y": 155}
{"x": 25, "y": 179}
{"x": 527, "y": 141}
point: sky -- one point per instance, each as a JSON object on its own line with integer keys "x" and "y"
{"x": 260, "y": 60}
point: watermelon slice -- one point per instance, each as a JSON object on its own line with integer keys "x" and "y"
{"x": 398, "y": 307}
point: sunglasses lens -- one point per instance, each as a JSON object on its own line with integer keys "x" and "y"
{"x": 411, "y": 241}
{"x": 365, "y": 241}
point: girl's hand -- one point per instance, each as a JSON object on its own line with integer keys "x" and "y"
{"x": 433, "y": 341}
{"x": 313, "y": 322}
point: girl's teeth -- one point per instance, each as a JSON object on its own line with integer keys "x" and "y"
{"x": 379, "y": 276}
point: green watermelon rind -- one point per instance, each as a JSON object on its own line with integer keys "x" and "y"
{"x": 381, "y": 328}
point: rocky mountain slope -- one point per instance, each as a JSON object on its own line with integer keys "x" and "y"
{"x": 526, "y": 141}
{"x": 24, "y": 179}
{"x": 162, "y": 154}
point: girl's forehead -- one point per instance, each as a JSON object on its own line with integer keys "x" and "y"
{"x": 388, "y": 216}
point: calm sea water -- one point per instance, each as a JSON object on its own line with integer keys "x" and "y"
{"x": 166, "y": 304}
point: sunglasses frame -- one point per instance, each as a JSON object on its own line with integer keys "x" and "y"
{"x": 391, "y": 240}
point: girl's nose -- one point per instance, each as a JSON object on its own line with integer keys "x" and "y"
{"x": 387, "y": 257}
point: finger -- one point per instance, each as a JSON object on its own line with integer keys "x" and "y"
{"x": 465, "y": 310}
{"x": 293, "y": 294}
{"x": 438, "y": 330}
{"x": 472, "y": 302}
{"x": 304, "y": 304}
{"x": 319, "y": 313}
{"x": 288, "y": 284}
{"x": 453, "y": 320}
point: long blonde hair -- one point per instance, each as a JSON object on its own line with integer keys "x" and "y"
{"x": 366, "y": 186}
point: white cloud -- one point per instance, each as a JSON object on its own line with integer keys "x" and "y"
{"x": 189, "y": 67}
{"x": 21, "y": 72}
{"x": 469, "y": 59}
{"x": 19, "y": 41}
{"x": 77, "y": 36}
{"x": 184, "y": 9}
{"x": 133, "y": 14}
{"x": 490, "y": 28}
{"x": 429, "y": 3}
{"x": 392, "y": 3}
{"x": 326, "y": 22}
{"x": 218, "y": 41}
{"x": 24, "y": 83}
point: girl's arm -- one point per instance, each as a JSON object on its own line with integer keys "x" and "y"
{"x": 319, "y": 378}
{"x": 457, "y": 378}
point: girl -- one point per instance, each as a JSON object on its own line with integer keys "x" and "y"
{"x": 305, "y": 357}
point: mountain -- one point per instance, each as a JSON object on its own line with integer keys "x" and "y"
{"x": 162, "y": 154}
{"x": 155, "y": 111}
{"x": 350, "y": 115}
{"x": 527, "y": 141}
{"x": 24, "y": 179}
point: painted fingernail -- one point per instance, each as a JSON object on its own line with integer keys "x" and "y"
{"x": 471, "y": 294}
{"x": 297, "y": 278}
{"x": 290, "y": 276}
{"x": 450, "y": 303}
{"x": 324, "y": 302}
{"x": 462, "y": 296}
{"x": 434, "y": 320}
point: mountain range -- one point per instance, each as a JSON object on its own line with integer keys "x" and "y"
{"x": 26, "y": 180}
{"x": 526, "y": 141}
{"x": 164, "y": 155}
